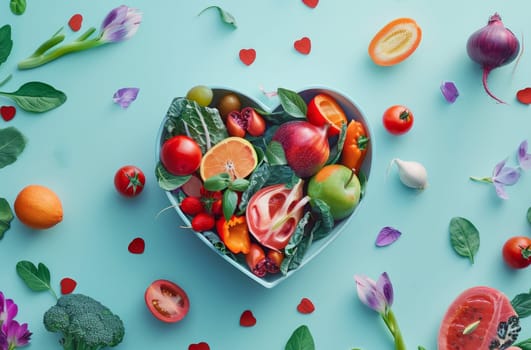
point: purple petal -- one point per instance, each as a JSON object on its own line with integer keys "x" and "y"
{"x": 500, "y": 190}
{"x": 386, "y": 288}
{"x": 507, "y": 176}
{"x": 125, "y": 96}
{"x": 449, "y": 91}
{"x": 387, "y": 236}
{"x": 120, "y": 24}
{"x": 18, "y": 334}
{"x": 498, "y": 168}
{"x": 524, "y": 158}
{"x": 369, "y": 294}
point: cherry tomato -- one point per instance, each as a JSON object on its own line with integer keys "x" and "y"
{"x": 181, "y": 155}
{"x": 398, "y": 119}
{"x": 167, "y": 301}
{"x": 517, "y": 252}
{"x": 129, "y": 181}
{"x": 324, "y": 110}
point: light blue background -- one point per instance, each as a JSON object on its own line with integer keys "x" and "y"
{"x": 76, "y": 149}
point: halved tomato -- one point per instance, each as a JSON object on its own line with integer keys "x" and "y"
{"x": 395, "y": 42}
{"x": 324, "y": 110}
{"x": 167, "y": 301}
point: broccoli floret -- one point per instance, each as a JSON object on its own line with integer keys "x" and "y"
{"x": 84, "y": 323}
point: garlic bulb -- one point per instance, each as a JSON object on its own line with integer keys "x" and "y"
{"x": 411, "y": 173}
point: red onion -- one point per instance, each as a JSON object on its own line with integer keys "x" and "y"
{"x": 492, "y": 46}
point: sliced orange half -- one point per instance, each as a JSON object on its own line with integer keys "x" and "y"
{"x": 234, "y": 155}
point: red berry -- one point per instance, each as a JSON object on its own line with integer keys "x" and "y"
{"x": 191, "y": 206}
{"x": 203, "y": 222}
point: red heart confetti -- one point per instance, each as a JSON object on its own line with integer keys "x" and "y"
{"x": 524, "y": 96}
{"x": 67, "y": 285}
{"x": 247, "y": 319}
{"x": 303, "y": 45}
{"x": 305, "y": 306}
{"x": 199, "y": 346}
{"x": 311, "y": 3}
{"x": 247, "y": 56}
{"x": 8, "y": 112}
{"x": 75, "y": 22}
{"x": 137, "y": 246}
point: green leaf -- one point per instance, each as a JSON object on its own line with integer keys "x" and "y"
{"x": 36, "y": 278}
{"x": 6, "y": 216}
{"x": 12, "y": 143}
{"x": 335, "y": 152}
{"x": 421, "y": 347}
{"x": 168, "y": 181}
{"x": 464, "y": 237}
{"x": 36, "y": 97}
{"x": 6, "y": 43}
{"x": 18, "y": 7}
{"x": 522, "y": 304}
{"x": 324, "y": 217}
{"x": 239, "y": 185}
{"x": 275, "y": 154}
{"x": 292, "y": 103}
{"x": 229, "y": 203}
{"x": 301, "y": 339}
{"x": 524, "y": 344}
{"x": 529, "y": 215}
{"x": 225, "y": 16}
{"x": 217, "y": 182}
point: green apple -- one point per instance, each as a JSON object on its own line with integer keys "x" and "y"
{"x": 337, "y": 186}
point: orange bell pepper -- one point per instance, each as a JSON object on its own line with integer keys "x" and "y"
{"x": 355, "y": 146}
{"x": 234, "y": 234}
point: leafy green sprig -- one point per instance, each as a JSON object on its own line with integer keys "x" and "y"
{"x": 229, "y": 187}
{"x": 37, "y": 278}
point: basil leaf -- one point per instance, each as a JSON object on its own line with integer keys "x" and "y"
{"x": 217, "y": 182}
{"x": 275, "y": 154}
{"x": 224, "y": 15}
{"x": 12, "y": 143}
{"x": 229, "y": 203}
{"x": 168, "y": 181}
{"x": 36, "y": 97}
{"x": 6, "y": 216}
{"x": 292, "y": 103}
{"x": 524, "y": 345}
{"x": 301, "y": 339}
{"x": 36, "y": 278}
{"x": 464, "y": 237}
{"x": 6, "y": 43}
{"x": 18, "y": 7}
{"x": 522, "y": 304}
{"x": 239, "y": 185}
{"x": 529, "y": 215}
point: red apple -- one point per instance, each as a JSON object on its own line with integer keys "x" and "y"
{"x": 305, "y": 146}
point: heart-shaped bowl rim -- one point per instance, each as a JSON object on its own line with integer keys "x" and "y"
{"x": 351, "y": 110}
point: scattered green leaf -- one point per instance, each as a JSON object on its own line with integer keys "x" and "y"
{"x": 522, "y": 304}
{"x": 37, "y": 278}
{"x": 6, "y": 43}
{"x": 18, "y": 7}
{"x": 529, "y": 215}
{"x": 464, "y": 237}
{"x": 301, "y": 339}
{"x": 225, "y": 16}
{"x": 12, "y": 143}
{"x": 6, "y": 216}
{"x": 36, "y": 97}
{"x": 524, "y": 344}
{"x": 421, "y": 347}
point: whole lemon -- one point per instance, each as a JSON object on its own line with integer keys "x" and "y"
{"x": 38, "y": 207}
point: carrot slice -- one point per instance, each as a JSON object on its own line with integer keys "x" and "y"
{"x": 395, "y": 42}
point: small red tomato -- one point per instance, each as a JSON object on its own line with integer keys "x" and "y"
{"x": 203, "y": 222}
{"x": 129, "y": 180}
{"x": 256, "y": 260}
{"x": 191, "y": 205}
{"x": 398, "y": 119}
{"x": 167, "y": 301}
{"x": 181, "y": 155}
{"x": 517, "y": 252}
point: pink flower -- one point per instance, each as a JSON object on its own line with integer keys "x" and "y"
{"x": 120, "y": 24}
{"x": 376, "y": 295}
{"x": 17, "y": 334}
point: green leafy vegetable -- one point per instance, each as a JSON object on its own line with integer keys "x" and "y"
{"x": 168, "y": 181}
{"x": 522, "y": 304}
{"x": 6, "y": 43}
{"x": 297, "y": 246}
{"x": 292, "y": 103}
{"x": 36, "y": 97}
{"x": 225, "y": 16}
{"x": 529, "y": 215}
{"x": 12, "y": 143}
{"x": 421, "y": 347}
{"x": 275, "y": 154}
{"x": 524, "y": 345}
{"x": 464, "y": 237}
{"x": 18, "y": 7}
{"x": 223, "y": 182}
{"x": 6, "y": 216}
{"x": 37, "y": 278}
{"x": 325, "y": 221}
{"x": 301, "y": 339}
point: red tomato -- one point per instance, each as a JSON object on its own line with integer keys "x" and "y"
{"x": 517, "y": 252}
{"x": 397, "y": 119}
{"x": 181, "y": 155}
{"x": 129, "y": 181}
{"x": 324, "y": 110}
{"x": 167, "y": 301}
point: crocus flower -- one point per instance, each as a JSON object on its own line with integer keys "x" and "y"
{"x": 501, "y": 176}
{"x": 120, "y": 24}
{"x": 17, "y": 335}
{"x": 8, "y": 311}
{"x": 125, "y": 96}
{"x": 524, "y": 158}
{"x": 3, "y": 341}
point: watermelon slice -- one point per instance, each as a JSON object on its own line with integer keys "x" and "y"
{"x": 480, "y": 318}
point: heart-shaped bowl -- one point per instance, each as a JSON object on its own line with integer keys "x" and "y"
{"x": 211, "y": 238}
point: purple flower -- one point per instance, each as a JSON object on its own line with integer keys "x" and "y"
{"x": 449, "y": 91}
{"x": 387, "y": 236}
{"x": 3, "y": 341}
{"x": 120, "y": 24}
{"x": 502, "y": 176}
{"x": 17, "y": 334}
{"x": 524, "y": 158}
{"x": 8, "y": 311}
{"x": 376, "y": 295}
{"x": 125, "y": 96}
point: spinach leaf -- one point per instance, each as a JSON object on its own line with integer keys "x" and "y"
{"x": 297, "y": 246}
{"x": 6, "y": 43}
{"x": 168, "y": 181}
{"x": 224, "y": 15}
{"x": 12, "y": 143}
{"x": 464, "y": 237}
{"x": 335, "y": 151}
{"x": 420, "y": 347}
{"x": 529, "y": 215}
{"x": 36, "y": 97}
{"x": 301, "y": 339}
{"x": 324, "y": 218}
{"x": 6, "y": 216}
{"x": 292, "y": 103}
{"x": 18, "y": 7}
{"x": 522, "y": 304}
{"x": 524, "y": 345}
{"x": 36, "y": 278}
{"x": 275, "y": 154}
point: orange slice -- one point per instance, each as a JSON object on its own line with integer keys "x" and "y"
{"x": 234, "y": 155}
